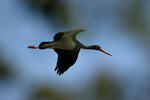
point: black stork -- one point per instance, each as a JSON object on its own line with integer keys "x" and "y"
{"x": 67, "y": 48}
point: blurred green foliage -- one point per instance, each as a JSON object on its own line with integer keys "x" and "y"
{"x": 108, "y": 88}
{"x": 46, "y": 93}
{"x": 55, "y": 11}
{"x": 5, "y": 71}
{"x": 134, "y": 18}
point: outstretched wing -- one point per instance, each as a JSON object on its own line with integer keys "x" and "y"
{"x": 66, "y": 58}
{"x": 71, "y": 33}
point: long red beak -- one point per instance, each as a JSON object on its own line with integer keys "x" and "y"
{"x": 104, "y": 51}
{"x": 33, "y": 47}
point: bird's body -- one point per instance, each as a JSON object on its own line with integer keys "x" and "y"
{"x": 67, "y": 48}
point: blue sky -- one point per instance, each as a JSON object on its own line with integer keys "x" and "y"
{"x": 19, "y": 28}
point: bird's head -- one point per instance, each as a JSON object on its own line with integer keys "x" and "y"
{"x": 97, "y": 47}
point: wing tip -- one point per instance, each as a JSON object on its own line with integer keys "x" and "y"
{"x": 59, "y": 71}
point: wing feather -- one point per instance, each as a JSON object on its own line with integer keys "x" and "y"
{"x": 71, "y": 33}
{"x": 66, "y": 58}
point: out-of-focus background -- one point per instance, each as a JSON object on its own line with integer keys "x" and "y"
{"x": 121, "y": 27}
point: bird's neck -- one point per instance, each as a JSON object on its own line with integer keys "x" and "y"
{"x": 87, "y": 47}
{"x": 90, "y": 47}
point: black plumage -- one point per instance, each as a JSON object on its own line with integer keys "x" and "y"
{"x": 58, "y": 36}
{"x": 67, "y": 48}
{"x": 66, "y": 58}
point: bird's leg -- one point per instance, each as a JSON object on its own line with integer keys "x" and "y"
{"x": 33, "y": 47}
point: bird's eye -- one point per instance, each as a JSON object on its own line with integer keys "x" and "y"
{"x": 98, "y": 46}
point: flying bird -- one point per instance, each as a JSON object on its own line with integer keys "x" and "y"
{"x": 67, "y": 48}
